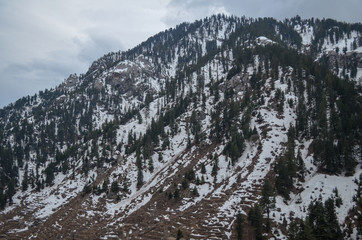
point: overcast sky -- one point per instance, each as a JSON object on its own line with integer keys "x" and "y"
{"x": 42, "y": 42}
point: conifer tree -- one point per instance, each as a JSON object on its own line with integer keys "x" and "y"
{"x": 179, "y": 235}
{"x": 24, "y": 184}
{"x": 267, "y": 200}
{"x": 11, "y": 190}
{"x": 2, "y": 199}
{"x": 139, "y": 178}
{"x": 239, "y": 226}
{"x": 255, "y": 216}
{"x": 114, "y": 187}
{"x": 215, "y": 166}
{"x": 203, "y": 169}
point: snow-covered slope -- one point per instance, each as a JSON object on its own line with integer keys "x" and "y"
{"x": 181, "y": 133}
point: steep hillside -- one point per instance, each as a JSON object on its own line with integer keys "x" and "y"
{"x": 211, "y": 130}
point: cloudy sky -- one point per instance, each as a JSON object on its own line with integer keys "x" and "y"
{"x": 42, "y": 42}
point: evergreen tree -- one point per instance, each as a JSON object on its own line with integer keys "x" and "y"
{"x": 11, "y": 190}
{"x": 267, "y": 200}
{"x": 139, "y": 178}
{"x": 2, "y": 199}
{"x": 125, "y": 185}
{"x": 255, "y": 216}
{"x": 215, "y": 166}
{"x": 203, "y": 169}
{"x": 306, "y": 231}
{"x": 286, "y": 167}
{"x": 332, "y": 220}
{"x": 176, "y": 194}
{"x": 195, "y": 193}
{"x": 185, "y": 184}
{"x": 239, "y": 226}
{"x": 179, "y": 235}
{"x": 24, "y": 184}
{"x": 301, "y": 165}
{"x": 300, "y": 230}
{"x": 139, "y": 117}
{"x": 105, "y": 185}
{"x": 114, "y": 187}
{"x": 150, "y": 165}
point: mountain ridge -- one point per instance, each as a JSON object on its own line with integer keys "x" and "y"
{"x": 184, "y": 130}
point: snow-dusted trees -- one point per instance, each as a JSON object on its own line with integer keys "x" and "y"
{"x": 320, "y": 223}
{"x": 286, "y": 167}
{"x": 267, "y": 200}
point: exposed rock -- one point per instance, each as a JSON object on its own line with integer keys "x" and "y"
{"x": 98, "y": 85}
{"x": 237, "y": 82}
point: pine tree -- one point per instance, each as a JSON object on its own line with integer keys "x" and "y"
{"x": 114, "y": 187}
{"x": 24, "y": 184}
{"x": 286, "y": 167}
{"x": 306, "y": 231}
{"x": 267, "y": 200}
{"x": 179, "y": 235}
{"x": 176, "y": 194}
{"x": 150, "y": 165}
{"x": 256, "y": 218}
{"x": 185, "y": 184}
{"x": 195, "y": 193}
{"x": 139, "y": 178}
{"x": 300, "y": 230}
{"x": 332, "y": 220}
{"x": 203, "y": 169}
{"x": 11, "y": 190}
{"x": 49, "y": 174}
{"x": 202, "y": 179}
{"x": 139, "y": 117}
{"x": 318, "y": 220}
{"x": 125, "y": 185}
{"x": 239, "y": 226}
{"x": 105, "y": 185}
{"x": 301, "y": 165}
{"x": 215, "y": 166}
{"x": 2, "y": 199}
{"x": 293, "y": 231}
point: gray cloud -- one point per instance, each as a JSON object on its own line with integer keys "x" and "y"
{"x": 21, "y": 79}
{"x": 348, "y": 10}
{"x": 180, "y": 11}
{"x": 97, "y": 46}
{"x": 42, "y": 42}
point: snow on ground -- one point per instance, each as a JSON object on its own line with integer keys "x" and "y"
{"x": 44, "y": 203}
{"x": 51, "y": 198}
{"x": 306, "y": 32}
{"x": 220, "y": 36}
{"x": 359, "y": 76}
{"x": 137, "y": 198}
{"x": 263, "y": 41}
{"x": 319, "y": 186}
{"x": 344, "y": 42}
{"x": 253, "y": 179}
{"x": 101, "y": 117}
{"x": 358, "y": 50}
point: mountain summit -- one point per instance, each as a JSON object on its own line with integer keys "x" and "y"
{"x": 225, "y": 128}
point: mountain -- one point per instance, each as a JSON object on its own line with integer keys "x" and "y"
{"x": 225, "y": 128}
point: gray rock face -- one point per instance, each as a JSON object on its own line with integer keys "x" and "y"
{"x": 121, "y": 82}
{"x": 237, "y": 82}
{"x": 126, "y": 76}
{"x": 71, "y": 81}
